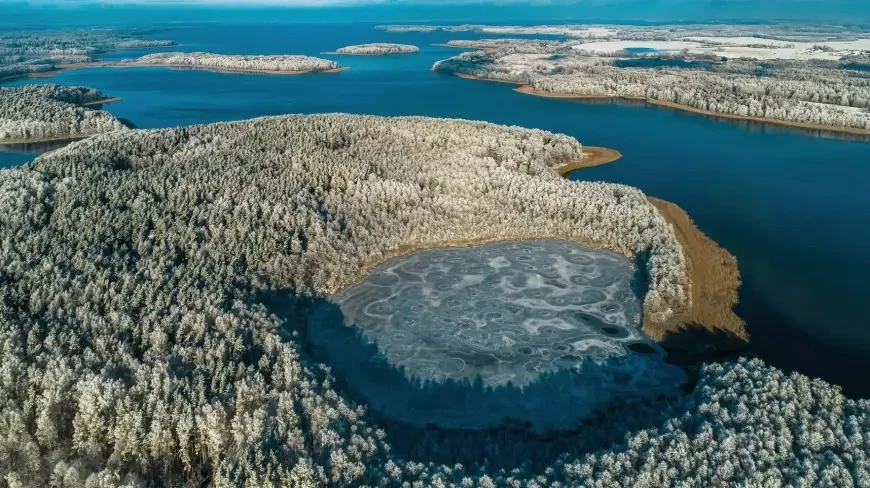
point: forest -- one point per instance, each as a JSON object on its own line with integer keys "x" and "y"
{"x": 378, "y": 48}
{"x": 41, "y": 112}
{"x": 825, "y": 93}
{"x": 134, "y": 345}
{"x": 276, "y": 63}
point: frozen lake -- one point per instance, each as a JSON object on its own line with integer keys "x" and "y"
{"x": 542, "y": 331}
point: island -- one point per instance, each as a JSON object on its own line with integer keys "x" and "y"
{"x": 158, "y": 284}
{"x": 378, "y": 49}
{"x": 807, "y": 88}
{"x": 43, "y": 53}
{"x": 267, "y": 64}
{"x": 42, "y": 113}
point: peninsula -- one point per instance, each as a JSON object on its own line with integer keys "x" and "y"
{"x": 41, "y": 113}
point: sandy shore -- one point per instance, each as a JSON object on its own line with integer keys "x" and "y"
{"x": 223, "y": 70}
{"x": 715, "y": 280}
{"x": 528, "y": 90}
{"x": 593, "y": 156}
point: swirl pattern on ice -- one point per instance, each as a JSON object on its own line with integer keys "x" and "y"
{"x": 549, "y": 316}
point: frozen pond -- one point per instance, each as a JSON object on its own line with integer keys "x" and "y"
{"x": 541, "y": 331}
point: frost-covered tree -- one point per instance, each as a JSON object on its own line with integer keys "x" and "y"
{"x": 823, "y": 94}
{"x": 135, "y": 348}
{"x": 277, "y": 63}
{"x": 38, "y": 112}
{"x": 38, "y": 51}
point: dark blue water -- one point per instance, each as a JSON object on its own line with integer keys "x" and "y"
{"x": 641, "y": 50}
{"x": 792, "y": 207}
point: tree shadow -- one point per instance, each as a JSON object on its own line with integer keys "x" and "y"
{"x": 447, "y": 422}
{"x": 693, "y": 345}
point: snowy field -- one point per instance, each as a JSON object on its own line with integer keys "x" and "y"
{"x": 736, "y": 47}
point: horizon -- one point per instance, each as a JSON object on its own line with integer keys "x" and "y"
{"x": 35, "y": 14}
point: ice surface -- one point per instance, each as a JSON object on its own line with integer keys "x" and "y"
{"x": 541, "y": 331}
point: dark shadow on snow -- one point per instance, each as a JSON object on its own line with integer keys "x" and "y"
{"x": 414, "y": 412}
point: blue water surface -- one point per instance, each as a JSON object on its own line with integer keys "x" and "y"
{"x": 792, "y": 206}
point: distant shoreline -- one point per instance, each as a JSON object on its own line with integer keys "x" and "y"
{"x": 528, "y": 90}
{"x": 224, "y": 70}
{"x": 58, "y": 69}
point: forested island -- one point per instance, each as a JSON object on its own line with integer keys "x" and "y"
{"x": 378, "y": 49}
{"x": 135, "y": 344}
{"x": 35, "y": 113}
{"x": 42, "y": 53}
{"x": 827, "y": 95}
{"x": 271, "y": 64}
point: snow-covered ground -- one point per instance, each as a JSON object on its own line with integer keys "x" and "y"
{"x": 736, "y": 47}
{"x": 568, "y": 31}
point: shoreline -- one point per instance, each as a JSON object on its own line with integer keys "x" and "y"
{"x": 224, "y": 70}
{"x": 714, "y": 277}
{"x": 70, "y": 138}
{"x": 597, "y": 156}
{"x": 336, "y": 53}
{"x": 528, "y": 90}
{"x": 104, "y": 101}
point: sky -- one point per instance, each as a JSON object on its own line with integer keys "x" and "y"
{"x": 37, "y": 12}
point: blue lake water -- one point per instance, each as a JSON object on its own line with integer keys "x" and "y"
{"x": 791, "y": 206}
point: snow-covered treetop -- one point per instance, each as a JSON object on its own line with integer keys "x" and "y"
{"x": 277, "y": 63}
{"x": 39, "y": 112}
